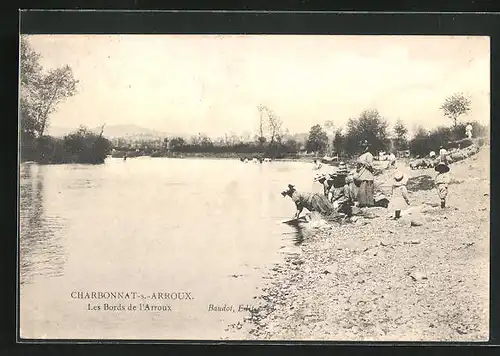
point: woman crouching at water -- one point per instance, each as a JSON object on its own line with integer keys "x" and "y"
{"x": 311, "y": 201}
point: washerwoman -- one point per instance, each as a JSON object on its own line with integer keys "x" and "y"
{"x": 311, "y": 201}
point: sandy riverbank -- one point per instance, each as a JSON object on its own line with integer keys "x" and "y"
{"x": 385, "y": 280}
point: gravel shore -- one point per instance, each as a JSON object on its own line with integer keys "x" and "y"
{"x": 424, "y": 277}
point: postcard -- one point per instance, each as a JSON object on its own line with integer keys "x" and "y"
{"x": 254, "y": 187}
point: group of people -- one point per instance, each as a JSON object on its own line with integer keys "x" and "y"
{"x": 400, "y": 199}
{"x": 343, "y": 189}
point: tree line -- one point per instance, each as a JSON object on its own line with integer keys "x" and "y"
{"x": 345, "y": 141}
{"x": 370, "y": 126}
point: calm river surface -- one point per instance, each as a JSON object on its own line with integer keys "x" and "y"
{"x": 211, "y": 228}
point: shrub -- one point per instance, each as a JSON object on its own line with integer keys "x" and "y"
{"x": 84, "y": 146}
{"x": 81, "y": 146}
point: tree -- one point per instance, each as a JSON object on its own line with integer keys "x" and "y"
{"x": 291, "y": 146}
{"x": 195, "y": 140}
{"x": 369, "y": 126}
{"x": 206, "y": 142}
{"x": 456, "y": 105}
{"x": 338, "y": 142}
{"x": 317, "y": 140}
{"x": 274, "y": 124}
{"x": 419, "y": 144}
{"x": 41, "y": 93}
{"x": 261, "y": 138}
{"x": 177, "y": 143}
{"x": 30, "y": 68}
{"x": 400, "y": 135}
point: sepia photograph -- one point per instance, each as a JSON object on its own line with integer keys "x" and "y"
{"x": 254, "y": 187}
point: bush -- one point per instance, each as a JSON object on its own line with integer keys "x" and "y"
{"x": 82, "y": 146}
{"x": 50, "y": 150}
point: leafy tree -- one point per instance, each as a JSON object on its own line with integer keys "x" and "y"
{"x": 317, "y": 140}
{"x": 177, "y": 143}
{"x": 338, "y": 142}
{"x": 291, "y": 146}
{"x": 194, "y": 140}
{"x": 30, "y": 68}
{"x": 456, "y": 105}
{"x": 400, "y": 135}
{"x": 41, "y": 92}
{"x": 419, "y": 143}
{"x": 206, "y": 142}
{"x": 369, "y": 126}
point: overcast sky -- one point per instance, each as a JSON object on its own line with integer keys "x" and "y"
{"x": 213, "y": 84}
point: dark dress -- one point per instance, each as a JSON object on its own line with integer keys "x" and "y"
{"x": 313, "y": 202}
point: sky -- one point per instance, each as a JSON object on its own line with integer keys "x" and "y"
{"x": 186, "y": 84}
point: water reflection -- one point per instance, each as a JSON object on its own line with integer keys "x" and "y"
{"x": 41, "y": 252}
{"x": 300, "y": 233}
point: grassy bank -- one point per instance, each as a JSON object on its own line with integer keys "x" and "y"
{"x": 381, "y": 279}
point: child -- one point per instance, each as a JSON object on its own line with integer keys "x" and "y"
{"x": 442, "y": 180}
{"x": 399, "y": 200}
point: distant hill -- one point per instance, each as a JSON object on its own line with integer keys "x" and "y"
{"x": 124, "y": 131}
{"x": 112, "y": 131}
{"x": 135, "y": 131}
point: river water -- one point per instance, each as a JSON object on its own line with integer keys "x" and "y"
{"x": 207, "y": 228}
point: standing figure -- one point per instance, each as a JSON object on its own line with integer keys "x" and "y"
{"x": 468, "y": 130}
{"x": 442, "y": 180}
{"x": 364, "y": 178}
{"x": 400, "y": 199}
{"x": 442, "y": 154}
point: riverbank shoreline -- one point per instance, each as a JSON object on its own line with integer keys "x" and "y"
{"x": 221, "y": 156}
{"x": 385, "y": 280}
